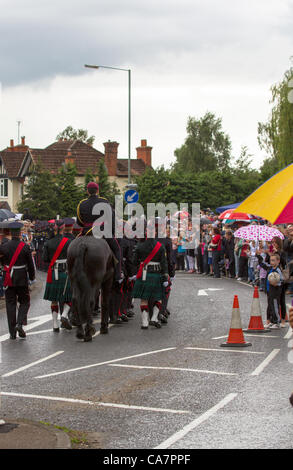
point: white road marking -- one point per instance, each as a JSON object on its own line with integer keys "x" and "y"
{"x": 172, "y": 368}
{"x": 189, "y": 427}
{"x": 102, "y": 363}
{"x": 225, "y": 350}
{"x": 260, "y": 335}
{"x": 39, "y": 361}
{"x": 267, "y": 360}
{"x": 39, "y": 332}
{"x": 93, "y": 403}
{"x": 43, "y": 319}
{"x": 203, "y": 291}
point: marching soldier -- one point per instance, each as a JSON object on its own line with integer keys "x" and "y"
{"x": 58, "y": 289}
{"x": 68, "y": 228}
{"x": 86, "y": 219}
{"x": 18, "y": 268}
{"x": 151, "y": 278}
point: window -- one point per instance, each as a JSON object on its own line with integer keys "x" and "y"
{"x": 4, "y": 187}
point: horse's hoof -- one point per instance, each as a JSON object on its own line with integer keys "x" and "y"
{"x": 104, "y": 331}
{"x": 87, "y": 339}
{"x": 79, "y": 332}
{"x": 291, "y": 399}
{"x": 56, "y": 330}
{"x": 144, "y": 327}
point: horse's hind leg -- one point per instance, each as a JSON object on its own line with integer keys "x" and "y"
{"x": 105, "y": 295}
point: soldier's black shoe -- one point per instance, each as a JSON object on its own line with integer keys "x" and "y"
{"x": 124, "y": 317}
{"x": 118, "y": 321}
{"x": 168, "y": 312}
{"x": 130, "y": 314}
{"x": 156, "y": 324}
{"x": 20, "y": 331}
{"x": 79, "y": 332}
{"x": 65, "y": 323}
{"x": 162, "y": 318}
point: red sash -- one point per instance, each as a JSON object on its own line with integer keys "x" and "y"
{"x": 148, "y": 259}
{"x": 55, "y": 257}
{"x": 7, "y": 269}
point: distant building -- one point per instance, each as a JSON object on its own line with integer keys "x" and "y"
{"x": 17, "y": 161}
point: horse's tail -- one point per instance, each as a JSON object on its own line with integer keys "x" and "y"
{"x": 81, "y": 282}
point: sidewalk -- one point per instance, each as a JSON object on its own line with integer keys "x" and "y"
{"x": 25, "y": 434}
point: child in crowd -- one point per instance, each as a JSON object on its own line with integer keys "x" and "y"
{"x": 273, "y": 289}
{"x": 252, "y": 262}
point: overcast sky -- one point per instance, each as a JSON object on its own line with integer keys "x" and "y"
{"x": 186, "y": 57}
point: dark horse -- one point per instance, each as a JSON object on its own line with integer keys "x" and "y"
{"x": 90, "y": 264}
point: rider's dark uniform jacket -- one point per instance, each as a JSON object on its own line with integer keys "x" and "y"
{"x": 85, "y": 216}
{"x": 19, "y": 277}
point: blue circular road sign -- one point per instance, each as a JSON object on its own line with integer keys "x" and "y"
{"x": 131, "y": 196}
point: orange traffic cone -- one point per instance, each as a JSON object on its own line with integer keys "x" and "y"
{"x": 255, "y": 323}
{"x": 236, "y": 338}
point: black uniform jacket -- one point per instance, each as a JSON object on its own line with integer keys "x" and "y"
{"x": 85, "y": 216}
{"x": 51, "y": 246}
{"x": 167, "y": 242}
{"x": 19, "y": 276}
{"x": 144, "y": 248}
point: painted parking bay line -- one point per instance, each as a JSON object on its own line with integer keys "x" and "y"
{"x": 39, "y": 361}
{"x": 185, "y": 369}
{"x": 224, "y": 350}
{"x": 196, "y": 422}
{"x": 103, "y": 363}
{"x": 267, "y": 360}
{"x": 35, "y": 324}
{"x": 93, "y": 403}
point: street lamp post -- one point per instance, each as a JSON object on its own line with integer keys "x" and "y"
{"x": 129, "y": 108}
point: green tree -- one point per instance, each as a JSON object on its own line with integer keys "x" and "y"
{"x": 69, "y": 133}
{"x": 206, "y": 146}
{"x": 69, "y": 193}
{"x": 40, "y": 196}
{"x": 276, "y": 135}
{"x": 89, "y": 176}
{"x": 107, "y": 188}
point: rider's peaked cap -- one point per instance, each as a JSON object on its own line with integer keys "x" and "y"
{"x": 93, "y": 185}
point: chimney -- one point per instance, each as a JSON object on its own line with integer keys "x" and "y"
{"x": 144, "y": 152}
{"x": 23, "y": 141}
{"x": 111, "y": 151}
{"x": 69, "y": 158}
{"x": 11, "y": 143}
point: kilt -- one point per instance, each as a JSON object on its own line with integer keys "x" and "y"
{"x": 54, "y": 290}
{"x": 151, "y": 288}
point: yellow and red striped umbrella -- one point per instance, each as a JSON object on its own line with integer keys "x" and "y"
{"x": 273, "y": 200}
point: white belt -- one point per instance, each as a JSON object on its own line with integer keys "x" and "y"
{"x": 15, "y": 267}
{"x": 145, "y": 268}
{"x": 57, "y": 262}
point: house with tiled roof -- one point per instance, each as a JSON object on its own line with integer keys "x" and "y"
{"x": 16, "y": 163}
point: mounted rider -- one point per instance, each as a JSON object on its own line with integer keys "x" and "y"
{"x": 88, "y": 215}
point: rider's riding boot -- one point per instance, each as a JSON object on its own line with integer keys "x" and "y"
{"x": 54, "y": 309}
{"x": 65, "y": 323}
